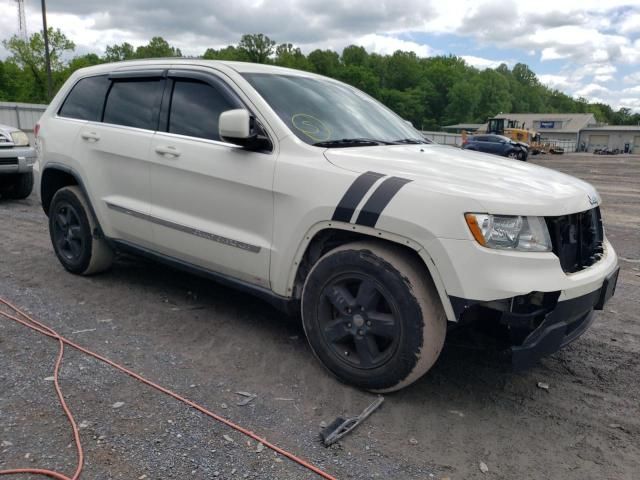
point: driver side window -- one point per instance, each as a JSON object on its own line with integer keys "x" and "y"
{"x": 195, "y": 109}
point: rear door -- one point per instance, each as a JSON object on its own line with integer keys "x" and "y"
{"x": 495, "y": 145}
{"x": 212, "y": 201}
{"x": 483, "y": 144}
{"x": 116, "y": 153}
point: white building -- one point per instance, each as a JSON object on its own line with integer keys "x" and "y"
{"x": 625, "y": 138}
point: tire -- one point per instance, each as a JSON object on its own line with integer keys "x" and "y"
{"x": 522, "y": 156}
{"x": 71, "y": 228}
{"x": 372, "y": 316}
{"x": 17, "y": 186}
{"x": 512, "y": 154}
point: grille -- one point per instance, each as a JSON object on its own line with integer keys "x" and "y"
{"x": 8, "y": 161}
{"x": 577, "y": 239}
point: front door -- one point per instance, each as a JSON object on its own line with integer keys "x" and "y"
{"x": 212, "y": 202}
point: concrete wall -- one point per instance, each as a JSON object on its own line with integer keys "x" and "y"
{"x": 444, "y": 138}
{"x": 593, "y": 139}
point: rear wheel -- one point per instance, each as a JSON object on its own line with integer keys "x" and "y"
{"x": 72, "y": 227}
{"x": 372, "y": 316}
{"x": 17, "y": 185}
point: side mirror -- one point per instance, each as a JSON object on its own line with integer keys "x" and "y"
{"x": 240, "y": 128}
{"x": 234, "y": 126}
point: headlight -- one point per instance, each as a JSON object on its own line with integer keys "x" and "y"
{"x": 528, "y": 234}
{"x": 20, "y": 139}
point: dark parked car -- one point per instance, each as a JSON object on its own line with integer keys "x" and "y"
{"x": 498, "y": 145}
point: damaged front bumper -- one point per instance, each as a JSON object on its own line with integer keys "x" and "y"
{"x": 538, "y": 324}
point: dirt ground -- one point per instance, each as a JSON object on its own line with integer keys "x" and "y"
{"x": 208, "y": 342}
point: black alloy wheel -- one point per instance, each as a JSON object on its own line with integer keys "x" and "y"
{"x": 67, "y": 232}
{"x": 359, "y": 320}
{"x": 372, "y": 315}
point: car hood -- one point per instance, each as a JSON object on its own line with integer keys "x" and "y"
{"x": 501, "y": 186}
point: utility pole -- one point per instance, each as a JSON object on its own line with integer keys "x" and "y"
{"x": 47, "y": 58}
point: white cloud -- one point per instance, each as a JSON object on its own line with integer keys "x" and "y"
{"x": 559, "y": 82}
{"x": 630, "y": 24}
{"x": 385, "y": 44}
{"x": 482, "y": 63}
{"x": 602, "y": 78}
{"x": 592, "y": 89}
{"x": 632, "y": 78}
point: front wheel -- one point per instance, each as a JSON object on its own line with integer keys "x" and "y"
{"x": 522, "y": 156}
{"x": 372, "y": 316}
{"x": 17, "y": 186}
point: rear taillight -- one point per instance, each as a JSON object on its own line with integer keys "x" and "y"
{"x": 36, "y": 130}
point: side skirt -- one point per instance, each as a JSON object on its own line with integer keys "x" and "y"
{"x": 286, "y": 305}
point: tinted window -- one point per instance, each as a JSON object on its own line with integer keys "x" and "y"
{"x": 134, "y": 103}
{"x": 195, "y": 109}
{"x": 86, "y": 99}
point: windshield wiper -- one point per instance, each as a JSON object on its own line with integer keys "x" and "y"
{"x": 351, "y": 142}
{"x": 413, "y": 141}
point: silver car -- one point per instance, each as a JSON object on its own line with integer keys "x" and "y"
{"x": 17, "y": 157}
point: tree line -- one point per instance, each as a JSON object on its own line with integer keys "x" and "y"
{"x": 430, "y": 92}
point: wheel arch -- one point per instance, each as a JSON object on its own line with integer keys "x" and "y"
{"x": 327, "y": 236}
{"x": 56, "y": 176}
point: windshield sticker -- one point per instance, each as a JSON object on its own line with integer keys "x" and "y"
{"x": 312, "y": 127}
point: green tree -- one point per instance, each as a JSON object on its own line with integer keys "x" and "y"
{"x": 29, "y": 56}
{"x": 361, "y": 78}
{"x": 463, "y": 99}
{"x": 354, "y": 55}
{"x": 325, "y": 62}
{"x": 292, "y": 57}
{"x": 494, "y": 95}
{"x": 83, "y": 61}
{"x": 118, "y": 53}
{"x": 429, "y": 92}
{"x": 257, "y": 47}
{"x": 403, "y": 70}
{"x": 157, "y": 47}
{"x": 229, "y": 53}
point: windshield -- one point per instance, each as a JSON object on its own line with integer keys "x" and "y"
{"x": 331, "y": 114}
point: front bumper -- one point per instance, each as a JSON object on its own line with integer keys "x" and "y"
{"x": 469, "y": 270}
{"x": 538, "y": 324}
{"x": 17, "y": 159}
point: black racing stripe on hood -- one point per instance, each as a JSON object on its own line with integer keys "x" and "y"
{"x": 379, "y": 200}
{"x": 354, "y": 195}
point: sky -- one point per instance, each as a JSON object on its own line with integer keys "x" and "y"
{"x": 588, "y": 48}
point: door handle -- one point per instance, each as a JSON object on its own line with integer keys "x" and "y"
{"x": 90, "y": 136}
{"x": 168, "y": 151}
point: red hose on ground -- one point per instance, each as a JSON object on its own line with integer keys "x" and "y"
{"x": 49, "y": 332}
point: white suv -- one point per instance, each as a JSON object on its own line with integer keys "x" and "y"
{"x": 316, "y": 197}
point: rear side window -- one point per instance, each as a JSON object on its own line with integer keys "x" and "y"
{"x": 134, "y": 103}
{"x": 195, "y": 109}
{"x": 86, "y": 99}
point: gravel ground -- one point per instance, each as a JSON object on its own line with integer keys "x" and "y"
{"x": 208, "y": 342}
